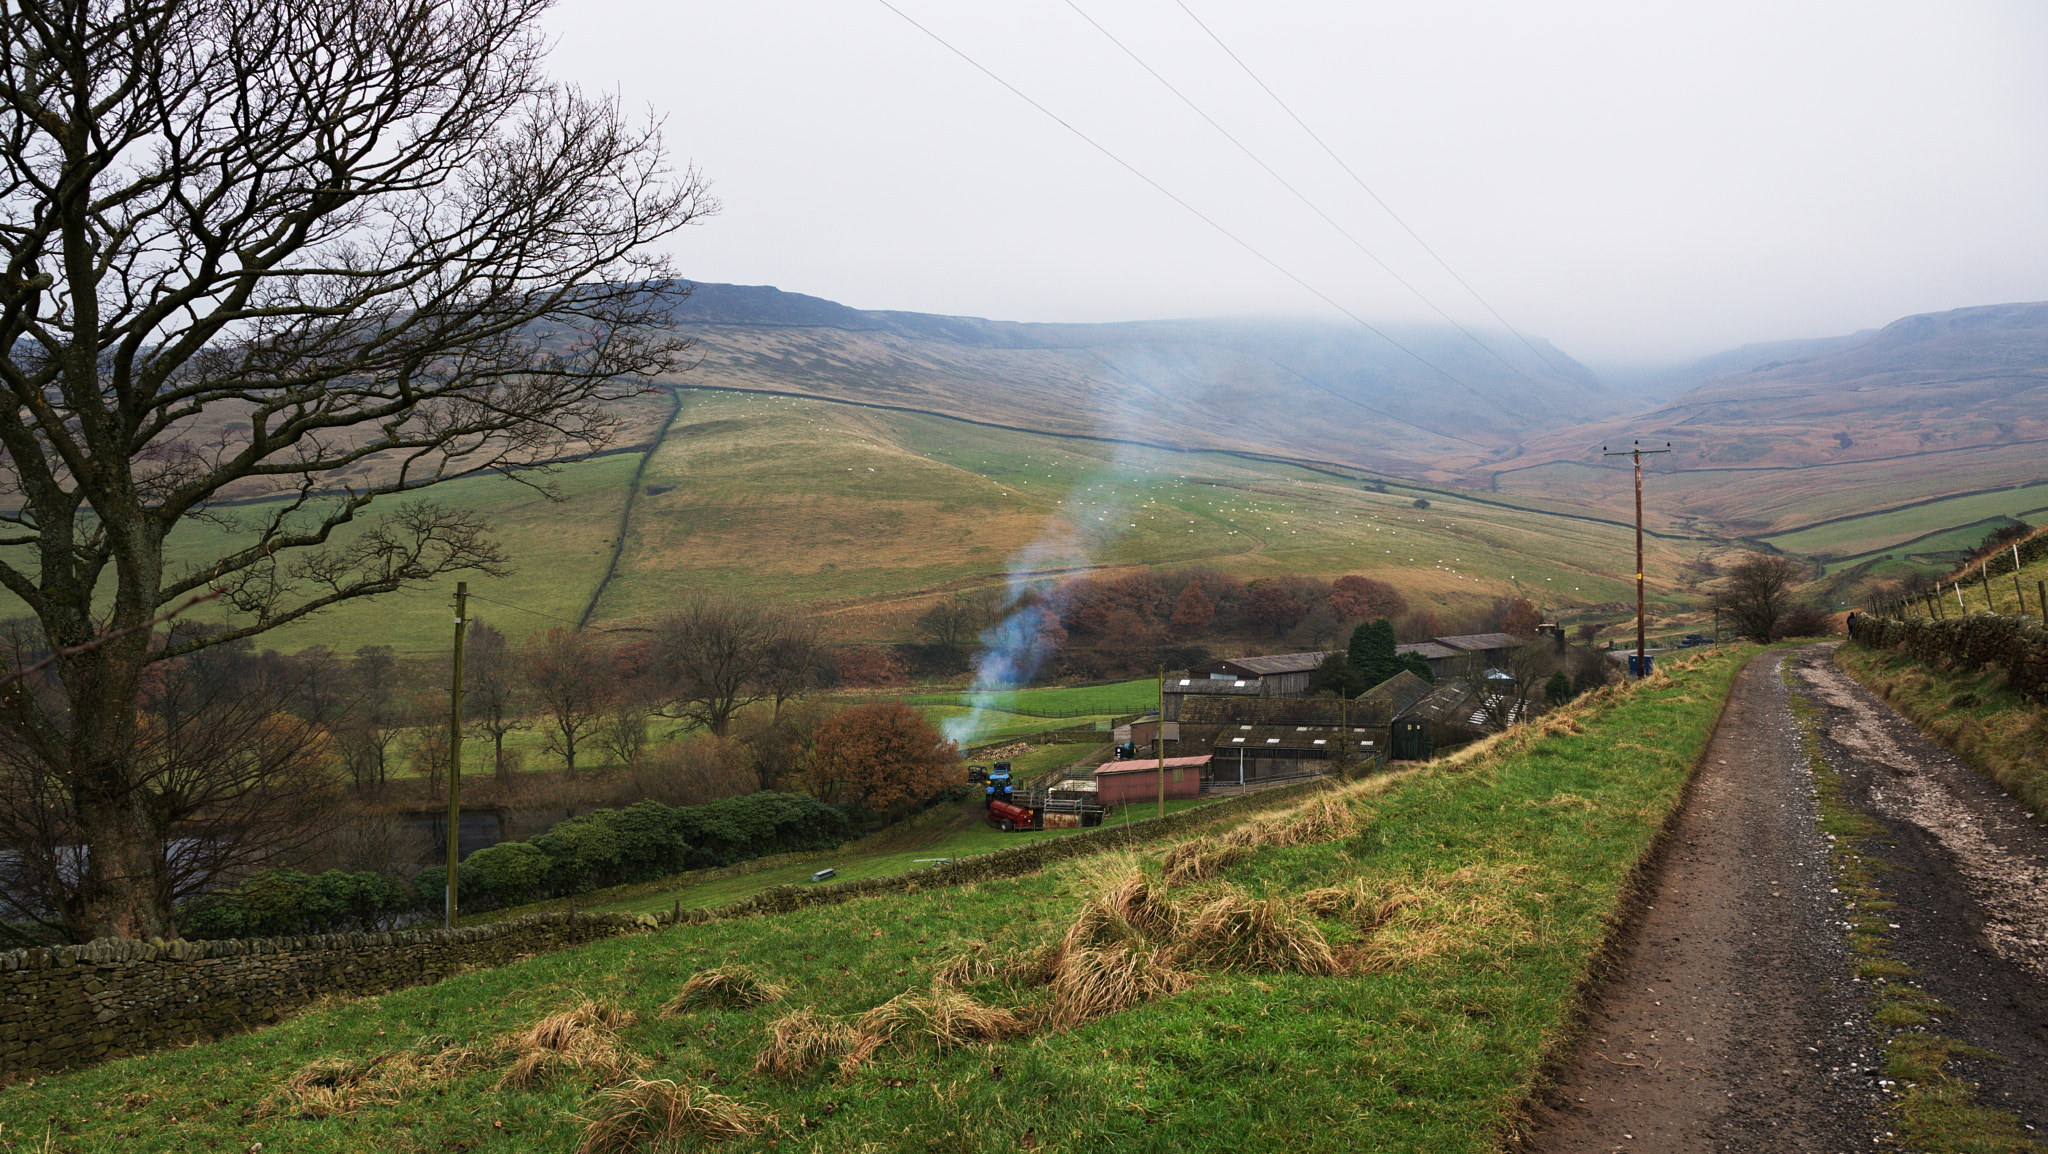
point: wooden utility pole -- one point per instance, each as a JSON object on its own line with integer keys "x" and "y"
{"x": 1159, "y": 740}
{"x": 455, "y": 747}
{"x": 1638, "y": 452}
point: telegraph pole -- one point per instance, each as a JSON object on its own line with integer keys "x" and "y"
{"x": 455, "y": 747}
{"x": 1638, "y": 452}
{"x": 1159, "y": 740}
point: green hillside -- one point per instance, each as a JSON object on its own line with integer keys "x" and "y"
{"x": 865, "y": 515}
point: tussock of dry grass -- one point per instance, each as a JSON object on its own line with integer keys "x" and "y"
{"x": 948, "y": 1017}
{"x": 330, "y": 1086}
{"x": 800, "y": 1040}
{"x": 1092, "y": 983}
{"x": 1326, "y": 818}
{"x": 1475, "y": 907}
{"x": 968, "y": 968}
{"x": 1130, "y": 909}
{"x": 733, "y": 987}
{"x": 1200, "y": 860}
{"x": 661, "y": 1114}
{"x": 1233, "y": 931}
{"x": 580, "y": 1040}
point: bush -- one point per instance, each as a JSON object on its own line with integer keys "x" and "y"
{"x": 1800, "y": 621}
{"x": 1558, "y": 689}
{"x": 512, "y": 872}
{"x": 606, "y": 847}
{"x": 283, "y": 901}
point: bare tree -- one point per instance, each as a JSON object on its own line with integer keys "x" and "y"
{"x": 1757, "y": 593}
{"x": 491, "y": 684}
{"x": 326, "y": 254}
{"x": 236, "y": 783}
{"x": 789, "y": 666}
{"x": 712, "y": 658}
{"x": 367, "y": 734}
{"x": 1529, "y": 664}
{"x": 572, "y": 680}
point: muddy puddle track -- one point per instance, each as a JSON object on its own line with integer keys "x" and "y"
{"x": 1968, "y": 869}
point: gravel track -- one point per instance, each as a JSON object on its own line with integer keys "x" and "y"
{"x": 1730, "y": 1020}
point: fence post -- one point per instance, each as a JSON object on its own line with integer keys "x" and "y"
{"x": 2041, "y": 594}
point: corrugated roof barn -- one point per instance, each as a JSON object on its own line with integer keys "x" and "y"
{"x": 1282, "y": 674}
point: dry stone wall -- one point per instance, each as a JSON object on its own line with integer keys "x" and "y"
{"x": 69, "y": 1006}
{"x": 76, "y": 1005}
{"x": 2017, "y": 645}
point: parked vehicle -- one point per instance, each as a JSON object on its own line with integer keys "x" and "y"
{"x": 1692, "y": 639}
{"x": 977, "y": 773}
{"x": 1028, "y": 811}
{"x": 998, "y": 779}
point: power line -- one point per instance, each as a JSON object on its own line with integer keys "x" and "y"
{"x": 1127, "y": 166}
{"x": 1360, "y": 181}
{"x": 1298, "y": 194}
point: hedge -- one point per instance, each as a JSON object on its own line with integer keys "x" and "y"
{"x": 603, "y": 848}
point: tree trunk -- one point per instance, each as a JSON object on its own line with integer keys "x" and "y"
{"x": 126, "y": 893}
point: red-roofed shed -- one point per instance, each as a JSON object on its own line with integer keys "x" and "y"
{"x": 1123, "y": 782}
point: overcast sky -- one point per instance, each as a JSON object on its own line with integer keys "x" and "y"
{"x": 1637, "y": 182}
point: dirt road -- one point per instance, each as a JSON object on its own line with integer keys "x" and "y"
{"x": 1733, "y": 1020}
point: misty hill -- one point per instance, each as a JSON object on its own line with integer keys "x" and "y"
{"x": 1929, "y": 405}
{"x": 1658, "y": 385}
{"x": 1290, "y": 388}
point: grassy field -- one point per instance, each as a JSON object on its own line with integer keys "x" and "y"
{"x": 558, "y": 553}
{"x": 1879, "y": 532}
{"x": 1680, "y": 495}
{"x": 1059, "y": 701}
{"x": 1402, "y": 964}
{"x": 866, "y": 516}
{"x": 918, "y": 844}
{"x": 2004, "y": 597}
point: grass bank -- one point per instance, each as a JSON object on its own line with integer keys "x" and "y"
{"x": 1973, "y": 715}
{"x": 1390, "y": 967}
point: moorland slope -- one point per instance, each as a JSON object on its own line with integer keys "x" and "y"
{"x": 1933, "y": 406}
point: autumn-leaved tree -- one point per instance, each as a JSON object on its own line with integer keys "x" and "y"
{"x": 1355, "y": 598}
{"x": 884, "y": 758}
{"x": 1192, "y": 612}
{"x": 267, "y": 269}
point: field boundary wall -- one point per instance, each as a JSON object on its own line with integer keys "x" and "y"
{"x": 68, "y": 1006}
{"x": 2018, "y": 646}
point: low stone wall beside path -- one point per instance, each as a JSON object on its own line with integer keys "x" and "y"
{"x": 68, "y": 1006}
{"x": 2017, "y": 645}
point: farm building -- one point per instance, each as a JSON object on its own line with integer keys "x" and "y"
{"x": 1197, "y": 686}
{"x": 1124, "y": 782}
{"x": 1279, "y": 675}
{"x": 1254, "y": 753}
{"x": 1442, "y": 659}
{"x": 1390, "y": 698}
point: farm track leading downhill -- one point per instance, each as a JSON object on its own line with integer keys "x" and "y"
{"x": 1733, "y": 1019}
